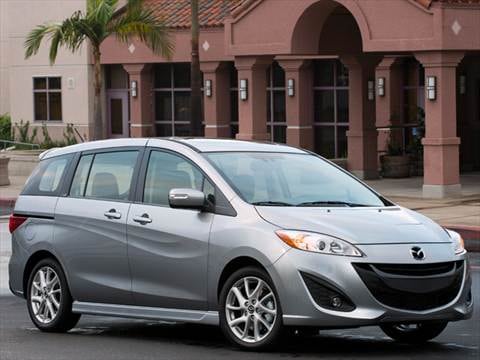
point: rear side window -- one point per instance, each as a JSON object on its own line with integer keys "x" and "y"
{"x": 105, "y": 176}
{"x": 47, "y": 178}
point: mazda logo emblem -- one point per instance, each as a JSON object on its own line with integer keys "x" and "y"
{"x": 417, "y": 253}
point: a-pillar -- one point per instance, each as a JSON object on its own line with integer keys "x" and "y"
{"x": 252, "y": 112}
{"x": 441, "y": 144}
{"x": 388, "y": 106}
{"x": 217, "y": 105}
{"x": 362, "y": 134}
{"x": 299, "y": 105}
{"x": 141, "y": 114}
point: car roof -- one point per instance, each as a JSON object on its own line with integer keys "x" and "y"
{"x": 197, "y": 144}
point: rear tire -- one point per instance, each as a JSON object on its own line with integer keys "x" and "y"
{"x": 250, "y": 311}
{"x": 49, "y": 301}
{"x": 414, "y": 333}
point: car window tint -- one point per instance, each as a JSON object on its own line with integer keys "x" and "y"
{"x": 111, "y": 175}
{"x": 47, "y": 177}
{"x": 81, "y": 174}
{"x": 167, "y": 171}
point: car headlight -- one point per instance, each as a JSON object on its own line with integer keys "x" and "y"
{"x": 319, "y": 243}
{"x": 457, "y": 242}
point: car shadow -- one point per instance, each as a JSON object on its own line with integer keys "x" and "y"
{"x": 328, "y": 343}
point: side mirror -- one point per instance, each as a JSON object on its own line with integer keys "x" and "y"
{"x": 186, "y": 199}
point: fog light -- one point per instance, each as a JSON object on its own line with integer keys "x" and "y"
{"x": 337, "y": 302}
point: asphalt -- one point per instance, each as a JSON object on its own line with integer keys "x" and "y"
{"x": 101, "y": 338}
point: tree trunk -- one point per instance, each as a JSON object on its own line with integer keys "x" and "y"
{"x": 98, "y": 128}
{"x": 195, "y": 77}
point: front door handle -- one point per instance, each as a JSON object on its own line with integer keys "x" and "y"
{"x": 142, "y": 219}
{"x": 112, "y": 214}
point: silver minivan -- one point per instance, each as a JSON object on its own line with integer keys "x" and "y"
{"x": 254, "y": 237}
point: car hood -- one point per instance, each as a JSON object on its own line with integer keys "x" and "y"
{"x": 358, "y": 225}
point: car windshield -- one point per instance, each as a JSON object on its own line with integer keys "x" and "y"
{"x": 291, "y": 179}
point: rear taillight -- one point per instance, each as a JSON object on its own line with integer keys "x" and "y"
{"x": 15, "y": 221}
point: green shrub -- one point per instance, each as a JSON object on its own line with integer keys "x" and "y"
{"x": 24, "y": 134}
{"x": 5, "y": 127}
{"x": 68, "y": 138}
{"x": 69, "y": 135}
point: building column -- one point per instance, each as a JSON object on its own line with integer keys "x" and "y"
{"x": 388, "y": 107}
{"x": 217, "y": 106}
{"x": 362, "y": 134}
{"x": 252, "y": 112}
{"x": 299, "y": 107}
{"x": 441, "y": 144}
{"x": 141, "y": 106}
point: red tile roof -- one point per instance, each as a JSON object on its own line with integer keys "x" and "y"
{"x": 177, "y": 14}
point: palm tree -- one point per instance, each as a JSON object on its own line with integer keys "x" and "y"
{"x": 195, "y": 76}
{"x": 101, "y": 20}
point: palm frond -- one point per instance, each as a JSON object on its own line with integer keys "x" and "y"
{"x": 70, "y": 34}
{"x": 142, "y": 23}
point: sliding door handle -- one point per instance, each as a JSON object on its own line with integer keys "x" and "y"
{"x": 143, "y": 219}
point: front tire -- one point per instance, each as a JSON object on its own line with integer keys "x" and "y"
{"x": 414, "y": 333}
{"x": 48, "y": 298}
{"x": 250, "y": 311}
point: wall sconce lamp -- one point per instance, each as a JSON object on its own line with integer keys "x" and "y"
{"x": 243, "y": 89}
{"x": 463, "y": 84}
{"x": 371, "y": 90}
{"x": 208, "y": 88}
{"x": 291, "y": 87}
{"x": 133, "y": 87}
{"x": 381, "y": 86}
{"x": 431, "y": 88}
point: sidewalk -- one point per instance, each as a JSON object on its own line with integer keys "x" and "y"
{"x": 460, "y": 213}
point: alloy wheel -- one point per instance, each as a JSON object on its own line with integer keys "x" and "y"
{"x": 251, "y": 309}
{"x": 45, "y": 295}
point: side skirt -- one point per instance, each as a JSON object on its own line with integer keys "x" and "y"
{"x": 144, "y": 312}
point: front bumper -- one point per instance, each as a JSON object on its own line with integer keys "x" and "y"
{"x": 300, "y": 308}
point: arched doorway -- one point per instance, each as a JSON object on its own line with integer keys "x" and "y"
{"x": 343, "y": 118}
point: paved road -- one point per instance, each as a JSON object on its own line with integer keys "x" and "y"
{"x": 101, "y": 338}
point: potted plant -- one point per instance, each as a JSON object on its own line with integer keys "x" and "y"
{"x": 395, "y": 163}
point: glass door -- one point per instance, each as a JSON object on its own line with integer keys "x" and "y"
{"x": 117, "y": 114}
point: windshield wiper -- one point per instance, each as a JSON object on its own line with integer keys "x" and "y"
{"x": 271, "y": 203}
{"x": 330, "y": 202}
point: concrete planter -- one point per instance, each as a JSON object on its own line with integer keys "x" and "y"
{"x": 4, "y": 180}
{"x": 23, "y": 161}
{"x": 397, "y": 166}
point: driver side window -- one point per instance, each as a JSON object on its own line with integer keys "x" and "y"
{"x": 166, "y": 171}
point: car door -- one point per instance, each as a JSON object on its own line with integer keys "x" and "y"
{"x": 168, "y": 247}
{"x": 90, "y": 231}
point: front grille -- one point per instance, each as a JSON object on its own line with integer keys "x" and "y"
{"x": 413, "y": 287}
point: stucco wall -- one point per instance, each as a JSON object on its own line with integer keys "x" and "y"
{"x": 4, "y": 59}
{"x": 22, "y": 16}
{"x": 293, "y": 27}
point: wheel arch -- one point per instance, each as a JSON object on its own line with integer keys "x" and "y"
{"x": 33, "y": 260}
{"x": 234, "y": 265}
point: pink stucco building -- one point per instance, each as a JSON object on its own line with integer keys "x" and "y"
{"x": 333, "y": 76}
